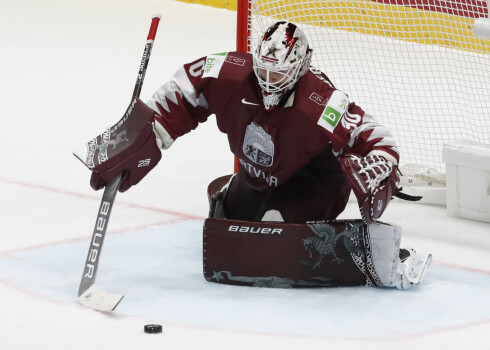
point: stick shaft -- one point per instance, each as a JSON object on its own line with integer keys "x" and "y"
{"x": 101, "y": 223}
{"x": 146, "y": 55}
{"x": 110, "y": 191}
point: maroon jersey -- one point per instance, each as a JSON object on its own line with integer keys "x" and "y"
{"x": 270, "y": 145}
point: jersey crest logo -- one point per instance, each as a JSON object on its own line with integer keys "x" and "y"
{"x": 258, "y": 145}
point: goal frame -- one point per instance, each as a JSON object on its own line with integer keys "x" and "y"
{"x": 424, "y": 179}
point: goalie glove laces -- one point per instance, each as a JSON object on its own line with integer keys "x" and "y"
{"x": 376, "y": 170}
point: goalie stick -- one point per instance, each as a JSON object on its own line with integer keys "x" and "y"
{"x": 88, "y": 294}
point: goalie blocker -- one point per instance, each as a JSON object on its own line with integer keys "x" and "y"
{"x": 314, "y": 254}
{"x": 129, "y": 148}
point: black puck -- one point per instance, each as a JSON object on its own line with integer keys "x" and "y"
{"x": 153, "y": 328}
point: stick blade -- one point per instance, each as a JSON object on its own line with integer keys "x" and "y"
{"x": 97, "y": 299}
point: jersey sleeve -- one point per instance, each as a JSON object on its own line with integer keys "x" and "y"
{"x": 358, "y": 132}
{"x": 180, "y": 102}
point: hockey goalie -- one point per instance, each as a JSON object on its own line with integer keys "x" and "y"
{"x": 302, "y": 147}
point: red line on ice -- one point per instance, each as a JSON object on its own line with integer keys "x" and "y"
{"x": 85, "y": 196}
{"x": 179, "y": 216}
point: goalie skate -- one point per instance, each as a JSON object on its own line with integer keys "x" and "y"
{"x": 412, "y": 268}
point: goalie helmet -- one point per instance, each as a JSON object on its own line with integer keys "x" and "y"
{"x": 281, "y": 58}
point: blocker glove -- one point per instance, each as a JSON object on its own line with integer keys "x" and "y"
{"x": 374, "y": 181}
{"x": 128, "y": 147}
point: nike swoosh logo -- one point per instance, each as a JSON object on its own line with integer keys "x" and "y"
{"x": 245, "y": 102}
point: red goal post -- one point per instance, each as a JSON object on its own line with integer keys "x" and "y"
{"x": 416, "y": 65}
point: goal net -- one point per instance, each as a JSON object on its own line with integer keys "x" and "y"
{"x": 414, "y": 64}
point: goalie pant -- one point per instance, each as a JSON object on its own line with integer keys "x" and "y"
{"x": 316, "y": 254}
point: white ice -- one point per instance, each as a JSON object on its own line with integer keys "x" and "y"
{"x": 68, "y": 71}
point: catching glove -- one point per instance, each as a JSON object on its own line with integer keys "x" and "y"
{"x": 374, "y": 181}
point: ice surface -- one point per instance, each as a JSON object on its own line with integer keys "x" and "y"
{"x": 68, "y": 70}
{"x": 160, "y": 270}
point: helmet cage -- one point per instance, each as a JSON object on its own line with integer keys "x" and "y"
{"x": 277, "y": 78}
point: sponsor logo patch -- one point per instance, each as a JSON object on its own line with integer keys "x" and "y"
{"x": 322, "y": 101}
{"x": 235, "y": 60}
{"x": 213, "y": 65}
{"x": 245, "y": 102}
{"x": 252, "y": 229}
{"x": 336, "y": 107}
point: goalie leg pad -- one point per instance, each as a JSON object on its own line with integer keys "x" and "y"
{"x": 383, "y": 243}
{"x": 282, "y": 255}
{"x": 319, "y": 254}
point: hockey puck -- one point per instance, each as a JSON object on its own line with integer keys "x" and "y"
{"x": 153, "y": 328}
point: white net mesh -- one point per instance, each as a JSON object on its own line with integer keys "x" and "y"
{"x": 414, "y": 64}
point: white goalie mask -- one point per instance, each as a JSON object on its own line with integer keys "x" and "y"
{"x": 281, "y": 58}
